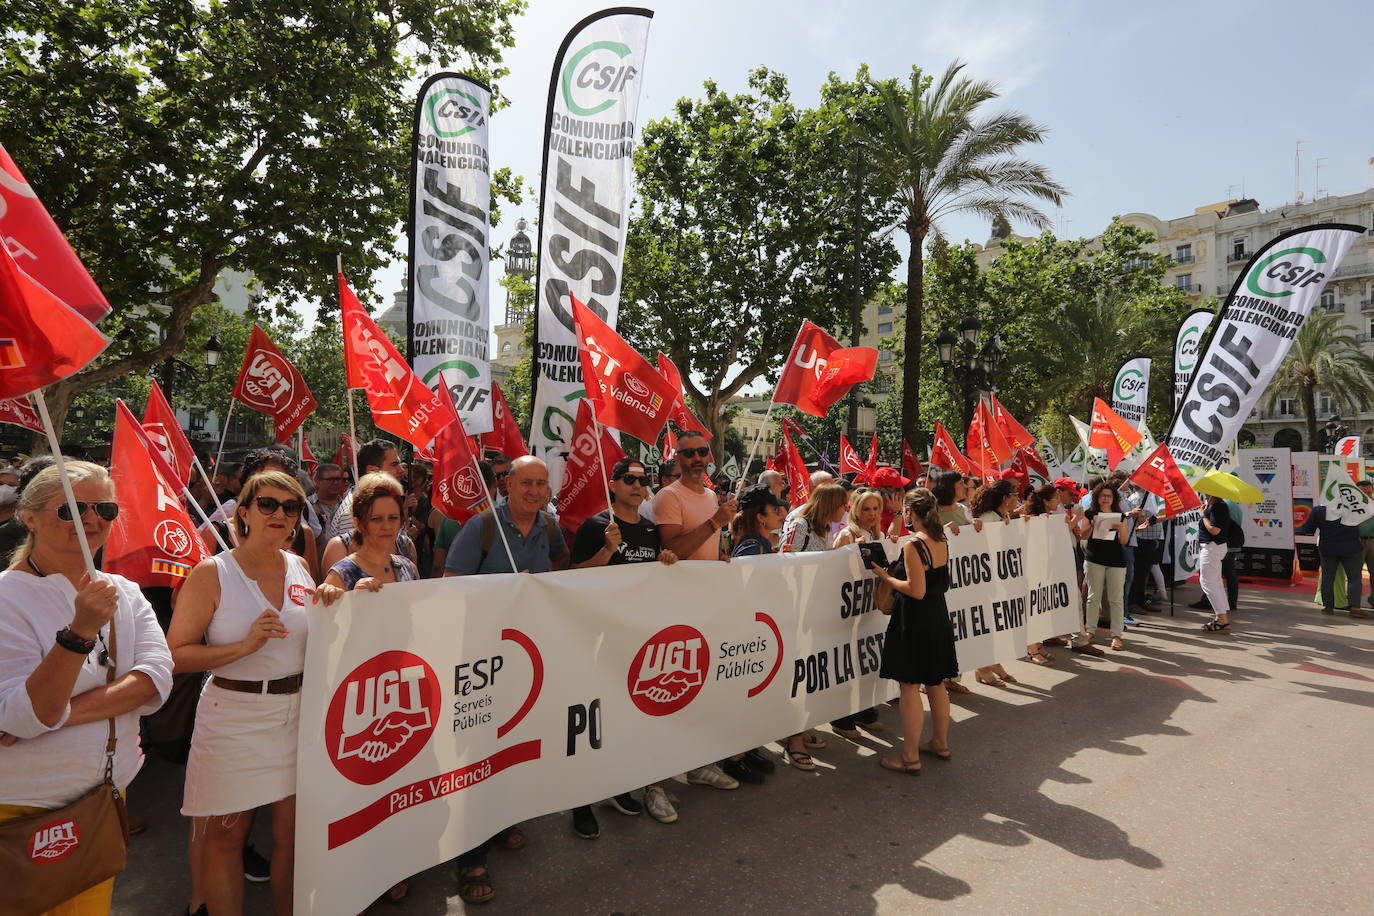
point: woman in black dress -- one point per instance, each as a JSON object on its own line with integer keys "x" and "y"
{"x": 919, "y": 646}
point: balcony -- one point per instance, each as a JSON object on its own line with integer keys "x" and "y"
{"x": 1367, "y": 305}
{"x": 1354, "y": 270}
{"x": 1237, "y": 257}
{"x": 1189, "y": 288}
{"x": 1184, "y": 259}
{"x": 1333, "y": 308}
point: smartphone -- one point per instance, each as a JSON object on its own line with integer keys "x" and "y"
{"x": 873, "y": 555}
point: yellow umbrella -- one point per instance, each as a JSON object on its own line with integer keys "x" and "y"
{"x": 1228, "y": 486}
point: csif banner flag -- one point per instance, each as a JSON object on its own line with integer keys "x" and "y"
{"x": 1254, "y": 331}
{"x": 450, "y": 193}
{"x": 584, "y": 211}
{"x": 1192, "y": 330}
{"x": 1131, "y": 390}
{"x": 270, "y": 384}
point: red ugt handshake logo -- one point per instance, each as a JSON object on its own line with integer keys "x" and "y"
{"x": 668, "y": 671}
{"x": 381, "y": 716}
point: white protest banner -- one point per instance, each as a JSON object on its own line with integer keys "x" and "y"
{"x": 1344, "y": 501}
{"x": 1268, "y": 305}
{"x": 1268, "y": 524}
{"x": 1183, "y": 542}
{"x": 1187, "y": 345}
{"x": 438, "y": 712}
{"x": 1306, "y": 484}
{"x": 1131, "y": 390}
{"x": 584, "y": 211}
{"x": 450, "y": 194}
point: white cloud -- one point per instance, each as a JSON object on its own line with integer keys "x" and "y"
{"x": 1006, "y": 46}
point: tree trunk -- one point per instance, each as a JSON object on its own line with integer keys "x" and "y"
{"x": 912, "y": 339}
{"x": 1309, "y": 410}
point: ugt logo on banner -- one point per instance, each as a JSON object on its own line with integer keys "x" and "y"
{"x": 381, "y": 716}
{"x": 669, "y": 670}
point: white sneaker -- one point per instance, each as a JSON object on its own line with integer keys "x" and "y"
{"x": 660, "y": 809}
{"x": 713, "y": 776}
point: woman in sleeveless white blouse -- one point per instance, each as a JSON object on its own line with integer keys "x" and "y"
{"x": 242, "y": 616}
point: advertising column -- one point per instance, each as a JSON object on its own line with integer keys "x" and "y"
{"x": 1268, "y": 524}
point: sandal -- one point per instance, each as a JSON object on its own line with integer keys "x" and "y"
{"x": 1117, "y": 643}
{"x": 956, "y": 687}
{"x": 1040, "y": 658}
{"x": 853, "y": 734}
{"x": 800, "y": 759}
{"x": 928, "y": 748}
{"x": 900, "y": 765}
{"x": 511, "y": 838}
{"x": 1214, "y": 626}
{"x": 1055, "y": 641}
{"x": 1010, "y": 679}
{"x": 991, "y": 680}
{"x": 813, "y": 741}
{"x": 470, "y": 881}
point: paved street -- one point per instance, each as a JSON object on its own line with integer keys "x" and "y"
{"x": 1189, "y": 773}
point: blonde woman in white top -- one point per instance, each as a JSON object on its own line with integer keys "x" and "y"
{"x": 54, "y": 699}
{"x": 863, "y": 526}
{"x": 241, "y": 615}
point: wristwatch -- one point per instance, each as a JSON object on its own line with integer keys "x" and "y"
{"x": 69, "y": 640}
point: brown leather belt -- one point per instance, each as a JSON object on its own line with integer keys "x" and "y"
{"x": 289, "y": 684}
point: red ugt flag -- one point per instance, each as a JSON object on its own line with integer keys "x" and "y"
{"x": 401, "y": 404}
{"x": 1015, "y": 434}
{"x": 1161, "y": 476}
{"x": 986, "y": 445}
{"x": 849, "y": 461}
{"x": 911, "y": 465}
{"x": 164, "y": 431}
{"x": 805, "y": 382}
{"x": 1111, "y": 432}
{"x": 270, "y": 384}
{"x": 945, "y": 455}
{"x": 681, "y": 415}
{"x": 628, "y": 394}
{"x": 41, "y": 338}
{"x": 40, "y": 249}
{"x": 153, "y": 542}
{"x": 585, "y": 479}
{"x": 505, "y": 432}
{"x": 798, "y": 477}
{"x": 19, "y": 412}
{"x": 459, "y": 491}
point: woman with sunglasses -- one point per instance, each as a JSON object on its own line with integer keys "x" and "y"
{"x": 54, "y": 697}
{"x": 241, "y": 616}
{"x": 1105, "y": 567}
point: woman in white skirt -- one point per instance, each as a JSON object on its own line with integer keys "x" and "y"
{"x": 242, "y": 616}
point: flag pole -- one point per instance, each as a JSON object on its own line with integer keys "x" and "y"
{"x": 601, "y": 457}
{"x": 56, "y": 447}
{"x": 352, "y": 438}
{"x": 224, "y": 432}
{"x": 753, "y": 450}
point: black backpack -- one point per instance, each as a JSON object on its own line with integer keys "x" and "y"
{"x": 1235, "y": 532}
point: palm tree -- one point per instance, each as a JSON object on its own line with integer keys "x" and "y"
{"x": 943, "y": 159}
{"x": 1325, "y": 357}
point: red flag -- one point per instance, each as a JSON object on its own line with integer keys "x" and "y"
{"x": 459, "y": 491}
{"x": 505, "y": 432}
{"x": 1159, "y": 475}
{"x": 40, "y": 249}
{"x": 849, "y": 461}
{"x": 1015, "y": 434}
{"x": 343, "y": 457}
{"x": 798, "y": 477}
{"x": 1029, "y": 459}
{"x": 669, "y": 445}
{"x": 41, "y": 339}
{"x": 164, "y": 432}
{"x": 629, "y": 395}
{"x": 585, "y": 480}
{"x": 986, "y": 446}
{"x": 801, "y": 384}
{"x": 911, "y": 465}
{"x": 945, "y": 455}
{"x": 1112, "y": 433}
{"x": 19, "y": 412}
{"x": 770, "y": 463}
{"x": 681, "y": 415}
{"x": 308, "y": 457}
{"x": 269, "y": 384}
{"x": 153, "y": 542}
{"x": 871, "y": 469}
{"x": 844, "y": 369}
{"x": 401, "y": 404}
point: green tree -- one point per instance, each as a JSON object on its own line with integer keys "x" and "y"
{"x": 742, "y": 232}
{"x": 174, "y": 140}
{"x": 1326, "y": 357}
{"x": 943, "y": 158}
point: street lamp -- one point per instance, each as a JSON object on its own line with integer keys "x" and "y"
{"x": 970, "y": 368}
{"x": 213, "y": 349}
{"x": 1335, "y": 431}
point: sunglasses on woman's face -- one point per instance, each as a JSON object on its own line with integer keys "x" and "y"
{"x": 108, "y": 511}
{"x": 632, "y": 479}
{"x": 268, "y": 505}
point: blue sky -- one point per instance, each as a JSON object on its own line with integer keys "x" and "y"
{"x": 1159, "y": 107}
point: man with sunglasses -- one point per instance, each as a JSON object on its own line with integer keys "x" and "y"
{"x": 612, "y": 538}
{"x": 689, "y": 515}
{"x": 500, "y": 466}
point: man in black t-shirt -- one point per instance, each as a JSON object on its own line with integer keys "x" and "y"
{"x": 605, "y": 541}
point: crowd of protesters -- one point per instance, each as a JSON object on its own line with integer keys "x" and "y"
{"x": 236, "y": 630}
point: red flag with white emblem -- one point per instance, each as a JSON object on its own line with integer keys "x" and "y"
{"x": 681, "y": 415}
{"x": 798, "y": 477}
{"x": 808, "y": 380}
{"x": 270, "y": 384}
{"x": 585, "y": 479}
{"x": 153, "y": 541}
{"x": 1160, "y": 475}
{"x": 401, "y": 403}
{"x": 41, "y": 338}
{"x": 505, "y": 432}
{"x": 165, "y": 433}
{"x": 459, "y": 491}
{"x": 1111, "y": 432}
{"x": 19, "y": 412}
{"x": 945, "y": 455}
{"x": 627, "y": 393}
{"x": 849, "y": 461}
